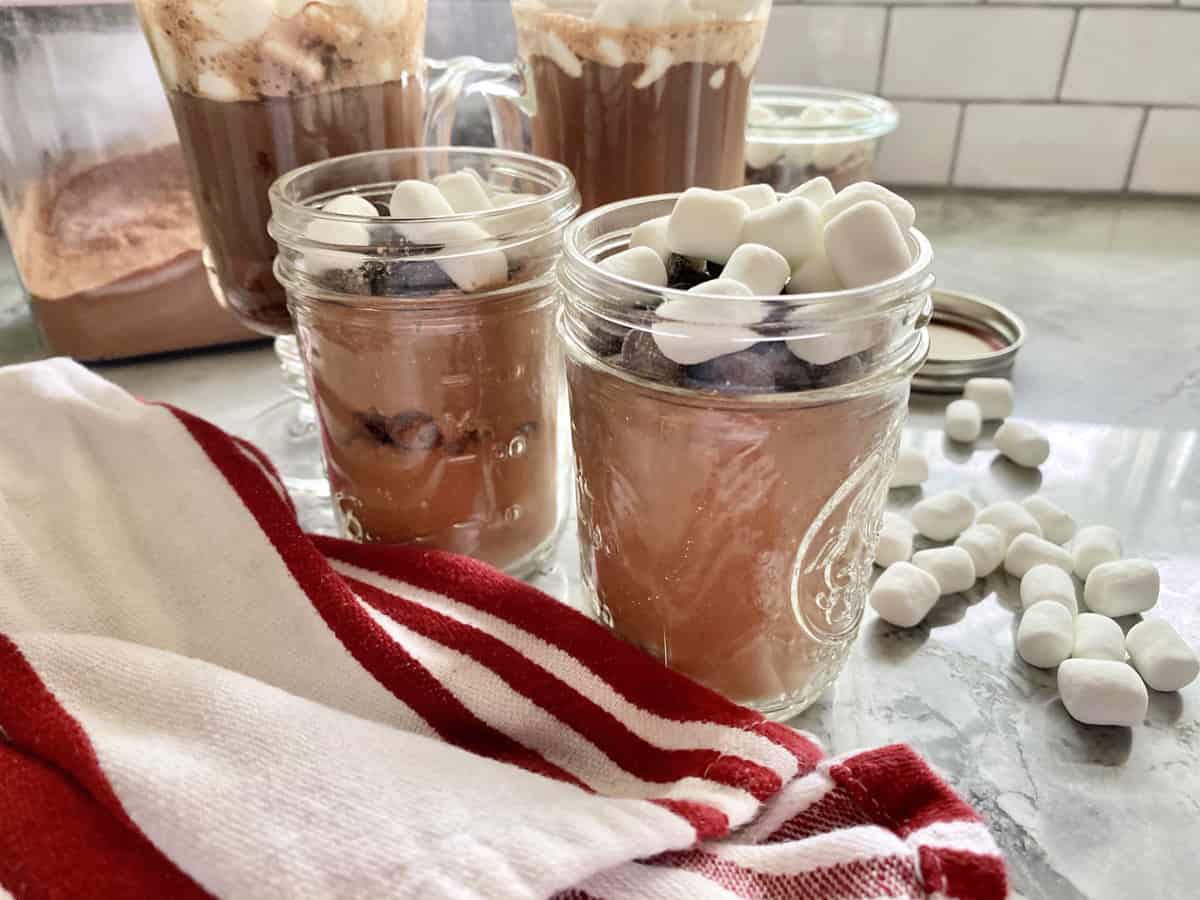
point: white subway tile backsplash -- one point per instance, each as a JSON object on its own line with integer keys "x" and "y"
{"x": 921, "y": 149}
{"x": 831, "y": 46}
{"x": 983, "y": 54}
{"x": 1168, "y": 160}
{"x": 1046, "y": 146}
{"x": 1135, "y": 56}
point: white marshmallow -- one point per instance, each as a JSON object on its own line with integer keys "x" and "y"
{"x": 467, "y": 259}
{"x": 529, "y": 216}
{"x": 945, "y": 516}
{"x": 829, "y": 347}
{"x": 463, "y": 191}
{"x": 831, "y": 155}
{"x": 1094, "y": 545}
{"x": 760, "y": 154}
{"x": 1161, "y": 656}
{"x": 814, "y": 276}
{"x": 815, "y": 114}
{"x": 963, "y": 421}
{"x": 1011, "y": 518}
{"x": 760, "y": 268}
{"x": 986, "y": 545}
{"x": 1028, "y": 550}
{"x": 1045, "y": 583}
{"x": 693, "y": 330}
{"x": 895, "y": 540}
{"x": 800, "y": 155}
{"x": 865, "y": 245}
{"x": 1098, "y": 637}
{"x": 951, "y": 566}
{"x": 1102, "y": 692}
{"x": 1046, "y": 634}
{"x": 902, "y": 211}
{"x": 755, "y": 196}
{"x": 351, "y": 205}
{"x": 637, "y": 264}
{"x": 1056, "y": 524}
{"x": 1022, "y": 443}
{"x": 413, "y": 199}
{"x": 903, "y": 595}
{"x": 850, "y": 111}
{"x": 1122, "y": 587}
{"x": 653, "y": 234}
{"x": 912, "y": 468}
{"x": 819, "y": 190}
{"x": 707, "y": 224}
{"x": 994, "y": 396}
{"x": 791, "y": 227}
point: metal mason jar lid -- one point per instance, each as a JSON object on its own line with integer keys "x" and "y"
{"x": 969, "y": 337}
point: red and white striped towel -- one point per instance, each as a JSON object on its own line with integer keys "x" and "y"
{"x": 197, "y": 699}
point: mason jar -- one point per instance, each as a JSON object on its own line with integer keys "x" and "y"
{"x": 728, "y": 510}
{"x": 430, "y": 351}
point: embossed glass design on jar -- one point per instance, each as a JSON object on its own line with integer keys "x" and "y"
{"x": 430, "y": 350}
{"x": 729, "y": 510}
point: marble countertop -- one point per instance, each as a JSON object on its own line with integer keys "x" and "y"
{"x": 1111, "y": 372}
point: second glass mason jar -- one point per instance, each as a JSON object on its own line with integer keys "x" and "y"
{"x": 729, "y": 510}
{"x": 437, "y": 403}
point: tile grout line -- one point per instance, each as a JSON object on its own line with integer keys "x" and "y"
{"x": 1062, "y": 73}
{"x": 883, "y": 49}
{"x": 957, "y": 148}
{"x": 1137, "y": 149}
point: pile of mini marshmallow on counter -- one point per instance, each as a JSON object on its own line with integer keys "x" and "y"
{"x": 1037, "y": 542}
{"x": 748, "y": 242}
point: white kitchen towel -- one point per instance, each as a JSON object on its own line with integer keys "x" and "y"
{"x": 198, "y": 699}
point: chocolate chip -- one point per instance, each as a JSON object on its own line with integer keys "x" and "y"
{"x": 744, "y": 372}
{"x": 683, "y": 273}
{"x": 791, "y": 373}
{"x": 382, "y": 208}
{"x": 641, "y": 356}
{"x": 772, "y": 174}
{"x": 347, "y": 281}
{"x": 405, "y": 277}
{"x": 411, "y": 430}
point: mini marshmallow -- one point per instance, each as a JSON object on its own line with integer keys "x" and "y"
{"x": 760, "y": 154}
{"x": 637, "y": 264}
{"x": 352, "y": 234}
{"x": 986, "y": 545}
{"x": 1056, "y": 524}
{"x": 994, "y": 396}
{"x": 895, "y": 540}
{"x": 707, "y": 224}
{"x": 1045, "y": 583}
{"x": 1011, "y": 518}
{"x": 963, "y": 421}
{"x": 468, "y": 261}
{"x": 1046, "y": 634}
{"x": 1102, "y": 692}
{"x": 951, "y": 566}
{"x": 865, "y": 245}
{"x": 755, "y": 196}
{"x": 791, "y": 227}
{"x": 902, "y": 211}
{"x": 1022, "y": 443}
{"x": 1122, "y": 587}
{"x": 463, "y": 191}
{"x": 693, "y": 330}
{"x": 903, "y": 595}
{"x": 912, "y": 468}
{"x": 1161, "y": 656}
{"x": 653, "y": 234}
{"x": 814, "y": 276}
{"x": 819, "y": 190}
{"x": 1028, "y": 550}
{"x": 760, "y": 268}
{"x": 351, "y": 205}
{"x": 823, "y": 349}
{"x": 943, "y": 517}
{"x": 1094, "y": 545}
{"x": 413, "y": 199}
{"x": 1098, "y": 637}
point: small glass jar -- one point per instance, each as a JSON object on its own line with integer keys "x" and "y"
{"x": 437, "y": 404}
{"x": 729, "y": 510}
{"x": 797, "y": 133}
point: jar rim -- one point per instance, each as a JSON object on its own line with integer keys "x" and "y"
{"x": 882, "y": 120}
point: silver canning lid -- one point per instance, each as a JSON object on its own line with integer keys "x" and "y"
{"x": 969, "y": 337}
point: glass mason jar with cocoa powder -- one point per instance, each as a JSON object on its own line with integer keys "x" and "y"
{"x": 729, "y": 510}
{"x": 430, "y": 349}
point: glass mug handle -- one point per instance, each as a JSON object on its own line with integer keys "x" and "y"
{"x": 502, "y": 86}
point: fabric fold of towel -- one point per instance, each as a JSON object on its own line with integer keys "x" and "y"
{"x": 197, "y": 699}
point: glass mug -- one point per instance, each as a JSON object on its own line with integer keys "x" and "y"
{"x": 437, "y": 392}
{"x": 635, "y": 98}
{"x": 728, "y": 511}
